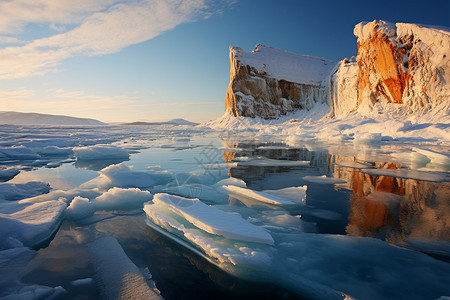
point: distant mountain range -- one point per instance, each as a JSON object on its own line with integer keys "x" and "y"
{"x": 18, "y": 118}
{"x": 170, "y": 122}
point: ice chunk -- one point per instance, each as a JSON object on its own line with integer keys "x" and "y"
{"x": 323, "y": 179}
{"x": 80, "y": 208}
{"x": 100, "y": 152}
{"x": 30, "y": 224}
{"x": 434, "y": 156}
{"x": 214, "y": 248}
{"x": 273, "y": 163}
{"x": 265, "y": 197}
{"x": 119, "y": 277}
{"x": 17, "y": 153}
{"x": 367, "y": 137}
{"x": 17, "y": 191}
{"x": 409, "y": 174}
{"x": 213, "y": 220}
{"x": 219, "y": 165}
{"x": 117, "y": 198}
{"x": 8, "y": 173}
{"x": 55, "y": 151}
{"x": 354, "y": 164}
{"x": 124, "y": 176}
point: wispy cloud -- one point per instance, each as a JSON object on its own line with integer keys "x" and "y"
{"x": 15, "y": 95}
{"x": 102, "y": 27}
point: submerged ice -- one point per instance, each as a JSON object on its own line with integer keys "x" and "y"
{"x": 253, "y": 208}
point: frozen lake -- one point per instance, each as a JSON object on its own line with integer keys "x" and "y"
{"x": 276, "y": 218}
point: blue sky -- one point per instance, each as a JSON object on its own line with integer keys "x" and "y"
{"x": 144, "y": 60}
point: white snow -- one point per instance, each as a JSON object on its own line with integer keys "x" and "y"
{"x": 117, "y": 198}
{"x": 353, "y": 164}
{"x": 281, "y": 64}
{"x": 100, "y": 152}
{"x": 212, "y": 220}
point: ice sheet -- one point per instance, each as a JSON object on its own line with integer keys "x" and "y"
{"x": 18, "y": 191}
{"x": 100, "y": 152}
{"x": 212, "y": 220}
{"x": 30, "y": 224}
{"x": 117, "y": 198}
{"x": 118, "y": 276}
{"x": 265, "y": 197}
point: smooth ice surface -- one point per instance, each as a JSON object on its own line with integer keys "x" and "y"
{"x": 119, "y": 277}
{"x": 31, "y": 224}
{"x": 213, "y": 220}
{"x": 17, "y": 152}
{"x": 258, "y": 196}
{"x": 411, "y": 174}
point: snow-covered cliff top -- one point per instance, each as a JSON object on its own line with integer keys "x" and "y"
{"x": 283, "y": 65}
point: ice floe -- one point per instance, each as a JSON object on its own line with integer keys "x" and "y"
{"x": 100, "y": 152}
{"x": 117, "y": 198}
{"x": 18, "y": 191}
{"x": 273, "y": 163}
{"x": 30, "y": 223}
{"x": 118, "y": 276}
{"x": 266, "y": 197}
{"x": 212, "y": 220}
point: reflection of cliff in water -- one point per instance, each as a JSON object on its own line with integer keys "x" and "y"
{"x": 384, "y": 207}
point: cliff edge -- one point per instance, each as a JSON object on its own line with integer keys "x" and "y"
{"x": 398, "y": 66}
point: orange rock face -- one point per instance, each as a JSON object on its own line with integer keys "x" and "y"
{"x": 379, "y": 55}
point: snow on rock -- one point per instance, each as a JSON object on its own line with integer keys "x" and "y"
{"x": 400, "y": 68}
{"x": 118, "y": 277}
{"x": 403, "y": 64}
{"x": 18, "y": 191}
{"x": 211, "y": 219}
{"x": 116, "y": 198}
{"x": 270, "y": 82}
{"x": 16, "y": 118}
{"x": 100, "y": 152}
{"x": 30, "y": 223}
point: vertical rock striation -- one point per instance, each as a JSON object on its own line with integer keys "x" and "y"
{"x": 399, "y": 65}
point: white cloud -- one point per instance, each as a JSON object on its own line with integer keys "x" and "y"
{"x": 104, "y": 27}
{"x": 15, "y": 95}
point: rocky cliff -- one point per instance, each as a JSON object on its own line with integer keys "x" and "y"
{"x": 269, "y": 82}
{"x": 398, "y": 66}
